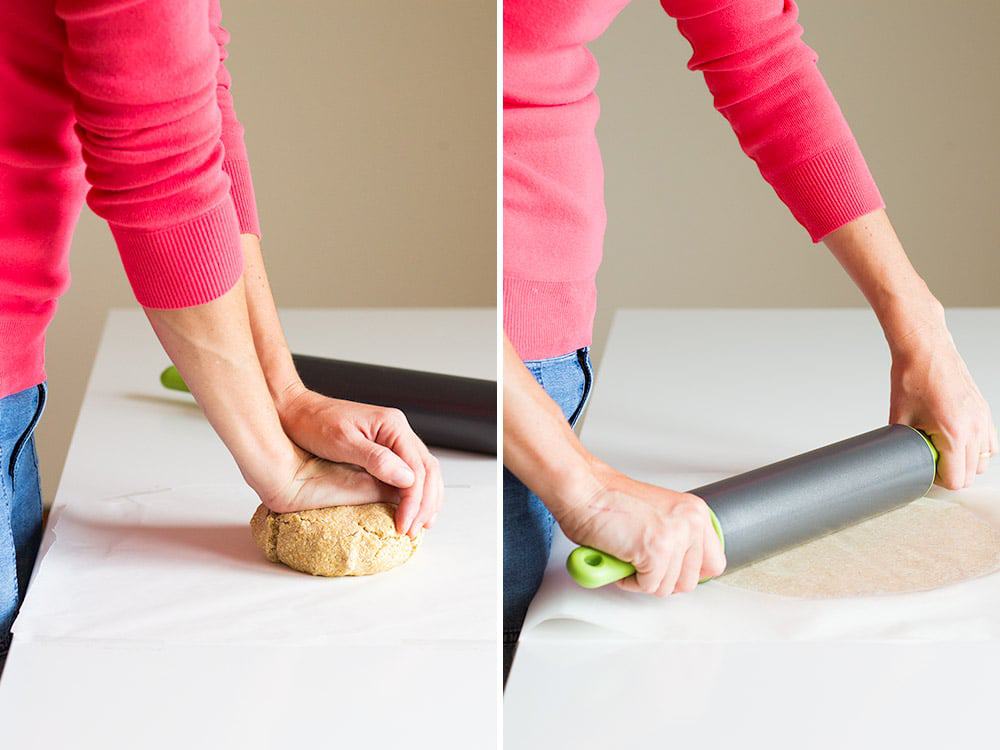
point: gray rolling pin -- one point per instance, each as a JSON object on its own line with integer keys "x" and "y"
{"x": 782, "y": 505}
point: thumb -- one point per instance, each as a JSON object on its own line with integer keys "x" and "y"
{"x": 382, "y": 464}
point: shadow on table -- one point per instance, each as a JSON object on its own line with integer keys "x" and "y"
{"x": 226, "y": 542}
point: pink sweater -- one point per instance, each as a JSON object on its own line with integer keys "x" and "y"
{"x": 125, "y": 102}
{"x": 764, "y": 81}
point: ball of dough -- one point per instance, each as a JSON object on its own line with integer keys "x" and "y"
{"x": 346, "y": 540}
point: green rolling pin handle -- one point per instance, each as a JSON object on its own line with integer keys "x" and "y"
{"x": 930, "y": 444}
{"x": 172, "y": 379}
{"x": 592, "y": 568}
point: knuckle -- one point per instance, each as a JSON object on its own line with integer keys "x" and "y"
{"x": 377, "y": 455}
{"x": 716, "y": 567}
{"x": 951, "y": 483}
{"x": 685, "y": 586}
{"x": 695, "y": 513}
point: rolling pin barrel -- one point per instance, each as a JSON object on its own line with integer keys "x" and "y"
{"x": 446, "y": 411}
{"x": 779, "y": 506}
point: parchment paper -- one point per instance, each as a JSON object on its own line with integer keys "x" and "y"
{"x": 179, "y": 566}
{"x": 715, "y": 612}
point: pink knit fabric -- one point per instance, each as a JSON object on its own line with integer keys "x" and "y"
{"x": 764, "y": 81}
{"x": 126, "y": 102}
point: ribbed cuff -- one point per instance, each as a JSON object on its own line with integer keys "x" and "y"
{"x": 186, "y": 265}
{"x": 829, "y": 190}
{"x": 241, "y": 191}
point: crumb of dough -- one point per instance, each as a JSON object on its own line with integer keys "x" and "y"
{"x": 924, "y": 545}
{"x": 346, "y": 540}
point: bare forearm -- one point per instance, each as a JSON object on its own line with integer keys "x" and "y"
{"x": 540, "y": 447}
{"x": 268, "y": 337}
{"x": 213, "y": 348}
{"x": 871, "y": 253}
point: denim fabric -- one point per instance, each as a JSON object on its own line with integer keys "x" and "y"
{"x": 20, "y": 500}
{"x": 527, "y": 523}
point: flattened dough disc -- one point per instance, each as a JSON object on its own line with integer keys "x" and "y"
{"x": 924, "y": 545}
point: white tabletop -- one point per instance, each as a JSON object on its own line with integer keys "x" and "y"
{"x": 686, "y": 397}
{"x": 151, "y": 621}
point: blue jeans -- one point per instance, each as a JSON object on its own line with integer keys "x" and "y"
{"x": 527, "y": 523}
{"x": 20, "y": 500}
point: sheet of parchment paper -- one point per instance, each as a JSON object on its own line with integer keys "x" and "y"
{"x": 179, "y": 566}
{"x": 969, "y": 610}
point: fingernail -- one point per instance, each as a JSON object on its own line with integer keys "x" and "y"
{"x": 403, "y": 477}
{"x": 408, "y": 527}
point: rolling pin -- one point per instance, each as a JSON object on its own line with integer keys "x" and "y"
{"x": 444, "y": 410}
{"x": 765, "y": 511}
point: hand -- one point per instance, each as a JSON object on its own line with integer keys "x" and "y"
{"x": 667, "y": 536}
{"x": 933, "y": 391}
{"x": 377, "y": 439}
{"x": 308, "y": 482}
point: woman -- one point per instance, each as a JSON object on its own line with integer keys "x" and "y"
{"x": 129, "y": 104}
{"x": 765, "y": 82}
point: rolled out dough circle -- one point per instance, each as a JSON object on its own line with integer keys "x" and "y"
{"x": 924, "y": 545}
{"x": 346, "y": 540}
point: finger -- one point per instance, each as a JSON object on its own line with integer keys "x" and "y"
{"x": 646, "y": 581}
{"x": 631, "y": 585}
{"x": 382, "y": 463}
{"x": 433, "y": 493}
{"x": 687, "y": 579}
{"x": 713, "y": 561}
{"x": 410, "y": 497}
{"x": 404, "y": 443}
{"x": 984, "y": 461}
{"x": 951, "y": 463}
{"x": 994, "y": 441}
{"x": 669, "y": 582}
{"x": 409, "y": 502}
{"x": 429, "y": 498}
{"x": 984, "y": 452}
{"x": 971, "y": 460}
{"x": 431, "y": 521}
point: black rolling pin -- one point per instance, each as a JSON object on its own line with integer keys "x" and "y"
{"x": 446, "y": 411}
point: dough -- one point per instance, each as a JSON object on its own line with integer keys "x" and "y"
{"x": 347, "y": 540}
{"x": 924, "y": 545}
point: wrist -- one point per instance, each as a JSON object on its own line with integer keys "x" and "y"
{"x": 911, "y": 322}
{"x": 285, "y": 392}
{"x": 572, "y": 484}
{"x": 267, "y": 471}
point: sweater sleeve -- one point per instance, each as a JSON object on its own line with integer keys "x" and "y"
{"x": 144, "y": 74}
{"x": 765, "y": 82}
{"x": 236, "y": 164}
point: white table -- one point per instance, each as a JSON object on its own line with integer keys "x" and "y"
{"x": 685, "y": 397}
{"x": 107, "y": 655}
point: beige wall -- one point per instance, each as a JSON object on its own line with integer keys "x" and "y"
{"x": 691, "y": 222}
{"x": 371, "y": 127}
